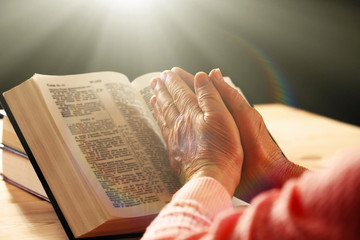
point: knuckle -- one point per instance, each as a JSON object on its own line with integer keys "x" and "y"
{"x": 241, "y": 103}
{"x": 163, "y": 127}
{"x": 168, "y": 106}
{"x": 174, "y": 88}
{"x": 177, "y": 93}
{"x": 168, "y": 110}
{"x": 233, "y": 93}
{"x": 188, "y": 103}
{"x": 257, "y": 115}
{"x": 159, "y": 89}
{"x": 207, "y": 96}
{"x": 258, "y": 118}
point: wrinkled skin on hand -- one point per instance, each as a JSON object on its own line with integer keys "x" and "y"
{"x": 197, "y": 142}
{"x": 202, "y": 136}
{"x": 264, "y": 164}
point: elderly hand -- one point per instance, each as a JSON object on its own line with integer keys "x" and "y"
{"x": 264, "y": 164}
{"x": 201, "y": 134}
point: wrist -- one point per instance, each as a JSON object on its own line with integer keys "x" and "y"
{"x": 227, "y": 180}
{"x": 267, "y": 168}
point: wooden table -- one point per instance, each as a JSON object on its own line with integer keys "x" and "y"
{"x": 307, "y": 139}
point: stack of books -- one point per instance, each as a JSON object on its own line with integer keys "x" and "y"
{"x": 16, "y": 166}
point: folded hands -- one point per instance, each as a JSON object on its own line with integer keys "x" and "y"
{"x": 212, "y": 131}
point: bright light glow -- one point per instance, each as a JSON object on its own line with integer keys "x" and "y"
{"x": 130, "y": 7}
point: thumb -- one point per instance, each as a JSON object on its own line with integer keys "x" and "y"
{"x": 208, "y": 97}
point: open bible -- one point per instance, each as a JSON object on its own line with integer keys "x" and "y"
{"x": 97, "y": 149}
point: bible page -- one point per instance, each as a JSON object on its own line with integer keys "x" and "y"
{"x": 106, "y": 126}
{"x": 142, "y": 86}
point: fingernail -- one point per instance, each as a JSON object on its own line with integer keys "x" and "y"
{"x": 201, "y": 79}
{"x": 153, "y": 83}
{"x": 212, "y": 72}
{"x": 153, "y": 101}
{"x": 218, "y": 75}
{"x": 163, "y": 76}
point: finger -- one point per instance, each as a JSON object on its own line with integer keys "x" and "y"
{"x": 250, "y": 123}
{"x": 208, "y": 97}
{"x": 160, "y": 118}
{"x": 231, "y": 97}
{"x": 187, "y": 77}
{"x": 184, "y": 98}
{"x": 165, "y": 102}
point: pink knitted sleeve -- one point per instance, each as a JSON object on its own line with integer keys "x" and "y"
{"x": 318, "y": 205}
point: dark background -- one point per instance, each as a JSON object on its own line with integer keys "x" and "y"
{"x": 301, "y": 53}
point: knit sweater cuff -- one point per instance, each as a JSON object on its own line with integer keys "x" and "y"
{"x": 207, "y": 191}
